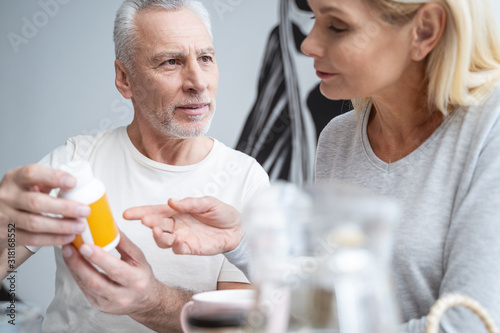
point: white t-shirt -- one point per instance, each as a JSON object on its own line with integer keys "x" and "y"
{"x": 131, "y": 179}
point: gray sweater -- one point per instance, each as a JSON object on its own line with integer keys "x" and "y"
{"x": 448, "y": 240}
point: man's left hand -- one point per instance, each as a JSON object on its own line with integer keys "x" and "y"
{"x": 127, "y": 286}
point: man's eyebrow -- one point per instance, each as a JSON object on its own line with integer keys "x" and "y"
{"x": 208, "y": 50}
{"x": 169, "y": 55}
{"x": 181, "y": 54}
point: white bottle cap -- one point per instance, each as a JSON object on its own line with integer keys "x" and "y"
{"x": 79, "y": 169}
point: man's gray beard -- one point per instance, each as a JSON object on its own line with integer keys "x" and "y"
{"x": 172, "y": 128}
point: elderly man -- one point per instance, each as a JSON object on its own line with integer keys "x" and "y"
{"x": 166, "y": 66}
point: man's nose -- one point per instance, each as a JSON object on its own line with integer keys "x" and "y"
{"x": 194, "y": 79}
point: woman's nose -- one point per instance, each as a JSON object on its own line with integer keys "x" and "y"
{"x": 311, "y": 46}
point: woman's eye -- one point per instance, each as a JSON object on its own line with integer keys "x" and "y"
{"x": 337, "y": 30}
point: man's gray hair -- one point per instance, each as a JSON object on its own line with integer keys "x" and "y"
{"x": 125, "y": 31}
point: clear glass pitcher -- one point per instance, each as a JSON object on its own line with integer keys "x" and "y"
{"x": 320, "y": 258}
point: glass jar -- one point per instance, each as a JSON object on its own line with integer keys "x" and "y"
{"x": 320, "y": 259}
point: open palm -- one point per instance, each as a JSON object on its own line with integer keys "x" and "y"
{"x": 196, "y": 226}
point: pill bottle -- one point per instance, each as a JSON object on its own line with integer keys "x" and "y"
{"x": 100, "y": 228}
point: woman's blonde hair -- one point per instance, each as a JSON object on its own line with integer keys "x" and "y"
{"x": 464, "y": 66}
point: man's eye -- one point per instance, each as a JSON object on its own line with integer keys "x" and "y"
{"x": 206, "y": 58}
{"x": 170, "y": 62}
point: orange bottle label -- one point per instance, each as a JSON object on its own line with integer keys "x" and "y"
{"x": 101, "y": 224}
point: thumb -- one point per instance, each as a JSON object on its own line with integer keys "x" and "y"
{"x": 193, "y": 205}
{"x": 129, "y": 252}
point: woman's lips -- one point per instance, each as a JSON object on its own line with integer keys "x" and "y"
{"x": 324, "y": 75}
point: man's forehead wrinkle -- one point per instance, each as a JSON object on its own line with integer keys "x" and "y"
{"x": 145, "y": 18}
{"x": 179, "y": 37}
{"x": 171, "y": 32}
{"x": 161, "y": 36}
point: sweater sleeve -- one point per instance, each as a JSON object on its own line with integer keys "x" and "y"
{"x": 239, "y": 256}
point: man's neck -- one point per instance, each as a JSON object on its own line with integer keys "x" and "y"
{"x": 169, "y": 150}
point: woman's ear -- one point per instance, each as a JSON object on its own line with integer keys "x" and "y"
{"x": 122, "y": 80}
{"x": 429, "y": 27}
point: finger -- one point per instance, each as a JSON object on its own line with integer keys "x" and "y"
{"x": 39, "y": 203}
{"x": 163, "y": 240}
{"x": 175, "y": 242}
{"x": 103, "y": 290}
{"x": 76, "y": 262}
{"x": 44, "y": 176}
{"x": 166, "y": 224}
{"x": 192, "y": 205}
{"x": 180, "y": 247}
{"x": 39, "y": 240}
{"x": 116, "y": 269}
{"x": 35, "y": 223}
{"x": 41, "y": 189}
{"x": 137, "y": 213}
{"x": 130, "y": 252}
{"x": 85, "y": 275}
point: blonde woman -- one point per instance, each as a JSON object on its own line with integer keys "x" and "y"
{"x": 423, "y": 76}
{"x": 426, "y": 131}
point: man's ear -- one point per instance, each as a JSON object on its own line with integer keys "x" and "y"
{"x": 122, "y": 80}
{"x": 429, "y": 27}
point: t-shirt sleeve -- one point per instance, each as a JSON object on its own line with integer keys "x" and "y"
{"x": 259, "y": 182}
{"x": 75, "y": 148}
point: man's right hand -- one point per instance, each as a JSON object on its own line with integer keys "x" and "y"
{"x": 196, "y": 226}
{"x": 25, "y": 203}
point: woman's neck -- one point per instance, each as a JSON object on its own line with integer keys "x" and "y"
{"x": 399, "y": 126}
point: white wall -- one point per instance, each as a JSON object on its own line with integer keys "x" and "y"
{"x": 59, "y": 82}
